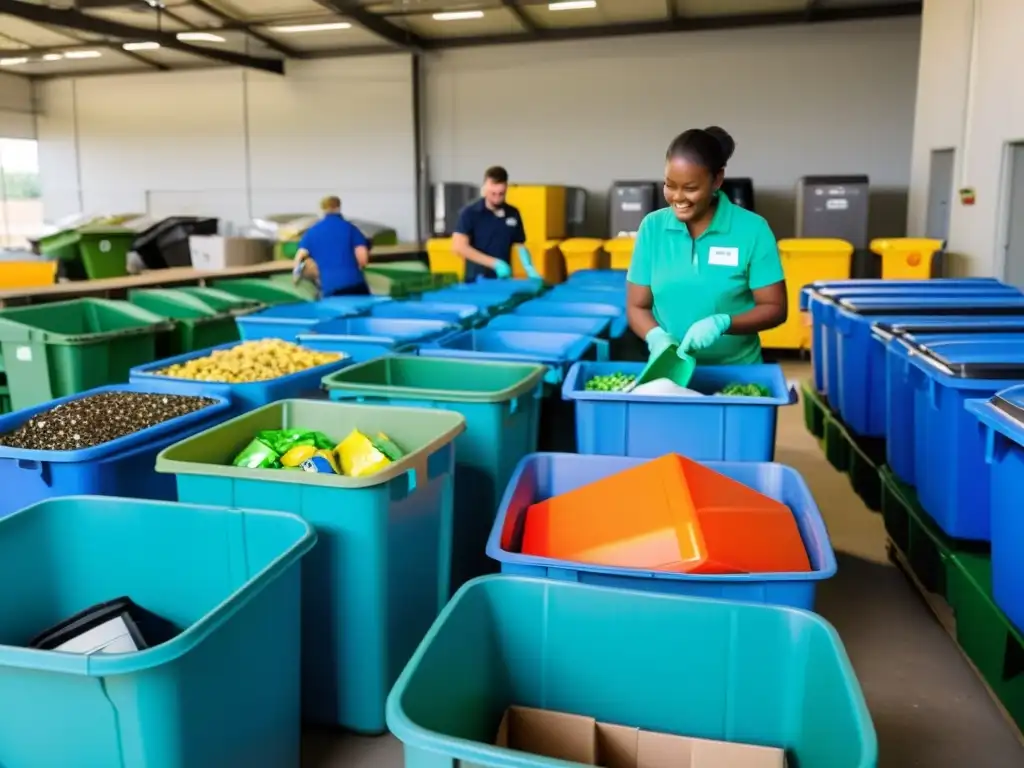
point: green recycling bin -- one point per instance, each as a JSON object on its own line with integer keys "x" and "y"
{"x": 266, "y": 291}
{"x": 197, "y": 325}
{"x": 60, "y": 349}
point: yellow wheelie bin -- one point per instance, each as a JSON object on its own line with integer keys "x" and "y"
{"x": 805, "y": 260}
{"x": 547, "y": 260}
{"x": 584, "y": 253}
{"x": 620, "y": 251}
{"x": 443, "y": 257}
{"x": 906, "y": 258}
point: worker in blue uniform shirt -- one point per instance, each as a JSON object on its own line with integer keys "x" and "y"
{"x": 487, "y": 230}
{"x": 340, "y": 252}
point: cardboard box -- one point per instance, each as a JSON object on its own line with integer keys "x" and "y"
{"x": 218, "y": 252}
{"x": 583, "y": 740}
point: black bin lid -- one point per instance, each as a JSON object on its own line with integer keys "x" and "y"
{"x": 981, "y": 358}
{"x": 968, "y": 304}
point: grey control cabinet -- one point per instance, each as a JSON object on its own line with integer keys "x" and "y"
{"x": 448, "y": 199}
{"x": 833, "y": 206}
{"x": 628, "y": 203}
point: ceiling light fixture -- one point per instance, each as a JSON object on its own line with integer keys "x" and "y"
{"x": 458, "y": 15}
{"x": 13, "y": 61}
{"x": 82, "y": 54}
{"x": 141, "y": 46}
{"x": 572, "y": 5}
{"x": 327, "y": 27}
{"x": 53, "y": 57}
{"x": 200, "y": 37}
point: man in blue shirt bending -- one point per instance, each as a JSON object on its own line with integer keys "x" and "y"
{"x": 340, "y": 252}
{"x": 487, "y": 230}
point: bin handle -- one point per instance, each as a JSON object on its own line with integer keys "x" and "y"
{"x": 933, "y": 399}
{"x": 36, "y": 467}
{"x": 601, "y": 348}
{"x": 562, "y": 574}
{"x": 990, "y": 445}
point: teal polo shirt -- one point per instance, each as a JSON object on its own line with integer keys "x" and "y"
{"x": 714, "y": 274}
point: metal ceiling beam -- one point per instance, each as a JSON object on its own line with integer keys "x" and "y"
{"x": 375, "y": 23}
{"x": 82, "y": 22}
{"x": 270, "y": 42}
{"x": 691, "y": 24}
{"x": 524, "y": 19}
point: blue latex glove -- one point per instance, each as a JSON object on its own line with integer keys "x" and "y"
{"x": 706, "y": 332}
{"x": 527, "y": 261}
{"x": 657, "y": 340}
{"x": 502, "y": 270}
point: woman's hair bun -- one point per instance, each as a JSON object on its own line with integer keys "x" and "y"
{"x": 726, "y": 141}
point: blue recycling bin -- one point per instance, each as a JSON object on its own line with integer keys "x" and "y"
{"x": 390, "y": 333}
{"x": 898, "y": 391}
{"x": 288, "y": 321}
{"x": 1002, "y": 419}
{"x": 243, "y": 397}
{"x": 527, "y": 286}
{"x": 488, "y": 302}
{"x": 120, "y": 467}
{"x": 598, "y": 278}
{"x": 858, "y": 397}
{"x": 542, "y": 308}
{"x": 949, "y": 444}
{"x": 814, "y": 301}
{"x": 465, "y": 315}
{"x": 572, "y": 293}
{"x": 598, "y": 327}
{"x": 861, "y": 311}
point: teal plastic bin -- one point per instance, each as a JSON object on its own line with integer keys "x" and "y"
{"x": 739, "y": 672}
{"x": 381, "y": 572}
{"x": 501, "y": 405}
{"x": 223, "y": 692}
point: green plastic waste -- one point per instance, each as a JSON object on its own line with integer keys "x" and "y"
{"x": 668, "y": 364}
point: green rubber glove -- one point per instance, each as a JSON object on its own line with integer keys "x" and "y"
{"x": 527, "y": 261}
{"x": 502, "y": 270}
{"x": 658, "y": 339}
{"x": 704, "y": 333}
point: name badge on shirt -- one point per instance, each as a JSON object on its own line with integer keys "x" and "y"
{"x": 724, "y": 257}
{"x": 511, "y": 221}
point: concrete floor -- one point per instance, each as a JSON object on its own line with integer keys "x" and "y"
{"x": 928, "y": 706}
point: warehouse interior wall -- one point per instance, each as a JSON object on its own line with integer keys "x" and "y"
{"x": 17, "y": 108}
{"x": 969, "y": 100}
{"x": 232, "y": 143}
{"x": 814, "y": 99}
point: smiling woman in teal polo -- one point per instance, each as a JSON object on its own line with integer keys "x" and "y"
{"x": 705, "y": 273}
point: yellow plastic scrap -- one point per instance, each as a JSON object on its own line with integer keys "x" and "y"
{"x": 359, "y": 456}
{"x": 297, "y": 455}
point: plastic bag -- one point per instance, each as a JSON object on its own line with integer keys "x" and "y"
{"x": 257, "y": 455}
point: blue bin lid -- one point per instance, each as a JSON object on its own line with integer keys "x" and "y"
{"x": 478, "y": 297}
{"x": 551, "y": 348}
{"x": 570, "y": 293}
{"x": 508, "y": 287}
{"x": 817, "y": 289}
{"x": 588, "y": 326}
{"x": 968, "y": 356}
{"x": 962, "y": 304}
{"x": 302, "y": 312}
{"x": 425, "y": 310}
{"x": 903, "y": 326}
{"x": 546, "y": 307}
{"x": 400, "y": 329}
{"x": 1010, "y": 403}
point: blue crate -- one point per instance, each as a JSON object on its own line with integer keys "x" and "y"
{"x": 949, "y": 444}
{"x": 558, "y": 351}
{"x": 598, "y": 327}
{"x": 1001, "y": 420}
{"x": 708, "y": 669}
{"x": 898, "y": 390}
{"x": 707, "y": 428}
{"x": 545, "y": 475}
{"x": 287, "y": 321}
{"x": 243, "y": 397}
{"x": 821, "y": 303}
{"x": 598, "y": 278}
{"x": 390, "y": 334}
{"x": 223, "y": 692}
{"x": 956, "y": 301}
{"x": 527, "y": 286}
{"x": 122, "y": 467}
{"x": 488, "y": 302}
{"x": 380, "y": 574}
{"x": 570, "y": 293}
{"x": 543, "y": 308}
{"x": 465, "y": 315}
{"x": 501, "y": 405}
{"x": 356, "y": 305}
